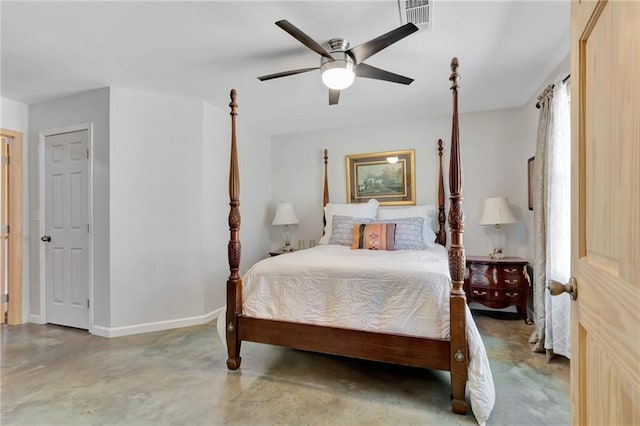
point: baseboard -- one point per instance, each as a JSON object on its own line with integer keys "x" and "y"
{"x": 154, "y": 326}
{"x": 35, "y": 319}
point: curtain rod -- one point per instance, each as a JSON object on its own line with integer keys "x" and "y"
{"x": 564, "y": 80}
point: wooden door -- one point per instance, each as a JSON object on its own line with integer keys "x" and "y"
{"x": 11, "y": 191}
{"x": 66, "y": 237}
{"x": 4, "y": 228}
{"x": 605, "y": 122}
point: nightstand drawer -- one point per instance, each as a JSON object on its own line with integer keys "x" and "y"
{"x": 494, "y": 295}
{"x": 482, "y": 279}
{"x": 483, "y": 269}
{"x": 513, "y": 281}
{"x": 496, "y": 280}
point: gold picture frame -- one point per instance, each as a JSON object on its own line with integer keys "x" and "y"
{"x": 388, "y": 176}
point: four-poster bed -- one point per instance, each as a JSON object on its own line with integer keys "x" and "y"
{"x": 449, "y": 351}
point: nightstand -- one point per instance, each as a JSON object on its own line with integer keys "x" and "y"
{"x": 279, "y": 252}
{"x": 498, "y": 283}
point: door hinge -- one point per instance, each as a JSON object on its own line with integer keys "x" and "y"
{"x": 88, "y": 304}
{"x": 87, "y": 228}
{"x": 5, "y": 229}
{"x": 4, "y": 298}
{"x": 87, "y": 152}
{"x": 5, "y": 159}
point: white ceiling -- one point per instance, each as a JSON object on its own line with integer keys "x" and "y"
{"x": 203, "y": 49}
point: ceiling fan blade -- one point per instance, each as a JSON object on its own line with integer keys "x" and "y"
{"x": 303, "y": 38}
{"x": 367, "y": 71}
{"x": 334, "y": 96}
{"x": 371, "y": 47}
{"x": 286, "y": 73}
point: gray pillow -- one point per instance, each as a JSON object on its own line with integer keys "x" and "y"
{"x": 342, "y": 229}
{"x": 409, "y": 233}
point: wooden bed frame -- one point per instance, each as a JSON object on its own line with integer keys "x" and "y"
{"x": 441, "y": 354}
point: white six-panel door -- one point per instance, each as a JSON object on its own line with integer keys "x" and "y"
{"x": 66, "y": 236}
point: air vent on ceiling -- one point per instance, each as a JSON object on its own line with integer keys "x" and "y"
{"x": 418, "y": 12}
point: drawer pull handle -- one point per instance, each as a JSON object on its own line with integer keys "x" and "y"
{"x": 510, "y": 270}
{"x": 479, "y": 293}
{"x": 511, "y": 281}
{"x": 512, "y": 294}
{"x": 496, "y": 294}
{"x": 478, "y": 280}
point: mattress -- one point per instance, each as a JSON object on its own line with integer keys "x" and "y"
{"x": 404, "y": 291}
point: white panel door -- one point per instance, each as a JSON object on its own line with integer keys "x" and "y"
{"x": 66, "y": 236}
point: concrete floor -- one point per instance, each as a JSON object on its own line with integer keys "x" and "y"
{"x": 62, "y": 376}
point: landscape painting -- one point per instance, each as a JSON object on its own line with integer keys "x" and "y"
{"x": 386, "y": 176}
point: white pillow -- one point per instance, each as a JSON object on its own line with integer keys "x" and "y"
{"x": 427, "y": 211}
{"x": 366, "y": 210}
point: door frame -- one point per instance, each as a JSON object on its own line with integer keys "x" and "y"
{"x": 16, "y": 234}
{"x": 41, "y": 196}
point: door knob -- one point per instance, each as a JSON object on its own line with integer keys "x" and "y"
{"x": 46, "y": 238}
{"x": 556, "y": 288}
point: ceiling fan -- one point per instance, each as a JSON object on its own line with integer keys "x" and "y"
{"x": 341, "y": 64}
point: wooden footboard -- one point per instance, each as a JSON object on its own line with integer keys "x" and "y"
{"x": 443, "y": 354}
{"x": 384, "y": 347}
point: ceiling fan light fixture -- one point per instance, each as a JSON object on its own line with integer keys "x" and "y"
{"x": 338, "y": 78}
{"x": 339, "y": 73}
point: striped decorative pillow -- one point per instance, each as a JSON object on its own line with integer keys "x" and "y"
{"x": 374, "y": 236}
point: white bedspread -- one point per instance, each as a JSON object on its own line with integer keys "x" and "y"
{"x": 401, "y": 291}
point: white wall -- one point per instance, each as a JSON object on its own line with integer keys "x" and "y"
{"x": 88, "y": 107}
{"x": 15, "y": 116}
{"x": 493, "y": 156}
{"x": 156, "y": 208}
{"x": 169, "y": 207}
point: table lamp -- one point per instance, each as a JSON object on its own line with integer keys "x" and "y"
{"x": 284, "y": 217}
{"x": 496, "y": 212}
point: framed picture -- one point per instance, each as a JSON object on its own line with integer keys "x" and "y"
{"x": 388, "y": 177}
{"x": 530, "y": 181}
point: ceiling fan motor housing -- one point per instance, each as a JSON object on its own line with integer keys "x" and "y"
{"x": 338, "y": 48}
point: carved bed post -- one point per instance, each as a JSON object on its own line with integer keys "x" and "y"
{"x": 325, "y": 190}
{"x": 442, "y": 218}
{"x": 457, "y": 259}
{"x": 234, "y": 283}
{"x": 325, "y": 194}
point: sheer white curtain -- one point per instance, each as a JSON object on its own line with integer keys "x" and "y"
{"x": 552, "y": 221}
{"x": 558, "y": 308}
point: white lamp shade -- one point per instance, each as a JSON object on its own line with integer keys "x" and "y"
{"x": 285, "y": 215}
{"x": 496, "y": 211}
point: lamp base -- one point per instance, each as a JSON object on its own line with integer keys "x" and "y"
{"x": 496, "y": 254}
{"x": 286, "y": 236}
{"x": 497, "y": 242}
{"x": 287, "y": 247}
